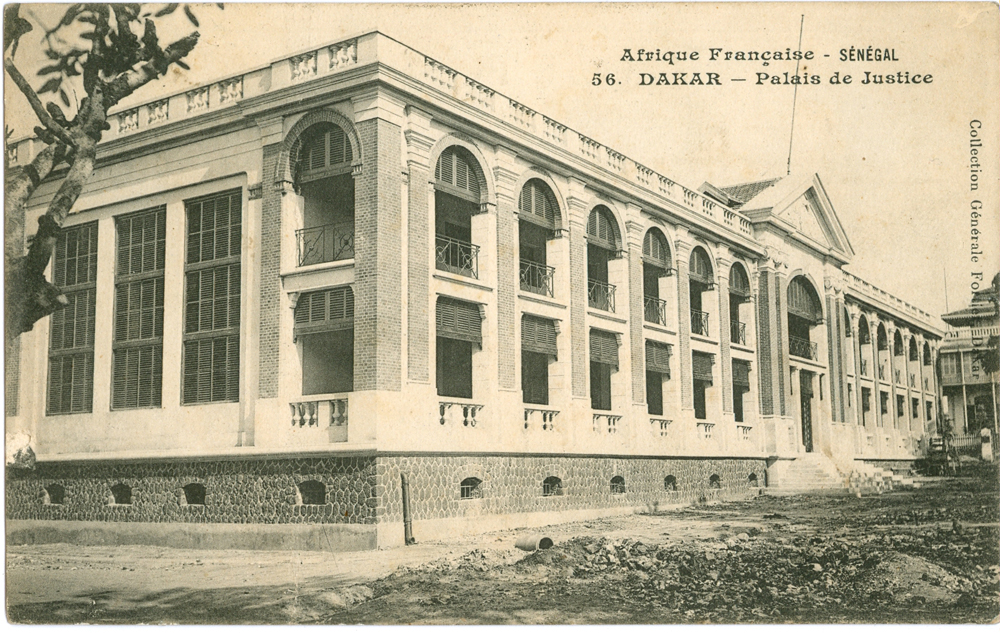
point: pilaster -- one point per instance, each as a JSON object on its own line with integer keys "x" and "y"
{"x": 418, "y": 145}
{"x": 683, "y": 245}
{"x": 505, "y": 179}
{"x": 723, "y": 266}
{"x": 576, "y": 203}
{"x": 636, "y": 294}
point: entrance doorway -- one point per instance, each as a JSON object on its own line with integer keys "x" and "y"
{"x": 806, "y": 394}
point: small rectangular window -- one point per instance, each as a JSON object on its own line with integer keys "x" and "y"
{"x": 600, "y": 386}
{"x": 654, "y": 392}
{"x": 534, "y": 377}
{"x": 700, "y": 387}
{"x": 454, "y": 368}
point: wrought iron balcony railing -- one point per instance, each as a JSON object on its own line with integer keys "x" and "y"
{"x": 329, "y": 243}
{"x": 656, "y": 310}
{"x": 600, "y": 295}
{"x": 738, "y": 332}
{"x": 802, "y": 347}
{"x": 699, "y": 322}
{"x": 537, "y": 278}
{"x": 456, "y": 256}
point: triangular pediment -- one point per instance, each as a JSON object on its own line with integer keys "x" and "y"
{"x": 805, "y": 216}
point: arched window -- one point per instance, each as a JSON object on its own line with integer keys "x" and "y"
{"x": 914, "y": 352}
{"x": 897, "y": 344}
{"x": 864, "y": 333}
{"x": 122, "y": 494}
{"x": 538, "y": 221}
{"x": 603, "y": 244}
{"x": 552, "y": 487}
{"x": 804, "y": 312}
{"x": 194, "y": 495}
{"x": 471, "y": 488}
{"x": 322, "y": 172}
{"x": 457, "y": 197}
{"x": 715, "y": 482}
{"x": 927, "y": 353}
{"x": 655, "y": 266}
{"x": 739, "y": 308}
{"x": 670, "y": 483}
{"x": 55, "y": 495}
{"x": 312, "y": 493}
{"x": 617, "y": 485}
{"x": 883, "y": 338}
{"x": 847, "y": 324}
{"x": 701, "y": 279}
{"x": 752, "y": 480}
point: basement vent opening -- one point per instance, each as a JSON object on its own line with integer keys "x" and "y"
{"x": 312, "y": 493}
{"x": 670, "y": 483}
{"x": 753, "y": 480}
{"x": 552, "y": 487}
{"x": 617, "y": 485}
{"x": 194, "y": 495}
{"x": 715, "y": 482}
{"x": 54, "y": 495}
{"x": 121, "y": 494}
{"x": 471, "y": 488}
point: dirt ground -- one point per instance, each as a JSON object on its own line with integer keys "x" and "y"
{"x": 929, "y": 555}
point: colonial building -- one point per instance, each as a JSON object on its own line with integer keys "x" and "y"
{"x": 969, "y": 389}
{"x": 292, "y": 286}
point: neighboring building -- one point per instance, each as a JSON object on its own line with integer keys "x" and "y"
{"x": 357, "y": 263}
{"x": 968, "y": 389}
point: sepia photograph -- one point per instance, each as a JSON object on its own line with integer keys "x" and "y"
{"x": 474, "y": 314}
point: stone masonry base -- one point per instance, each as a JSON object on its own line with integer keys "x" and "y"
{"x": 259, "y": 503}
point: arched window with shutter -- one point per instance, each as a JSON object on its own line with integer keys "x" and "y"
{"x": 458, "y": 188}
{"x": 805, "y": 311}
{"x": 655, "y": 266}
{"x": 603, "y": 244}
{"x": 538, "y": 221}
{"x": 740, "y": 311}
{"x": 324, "y": 326}
{"x": 701, "y": 279}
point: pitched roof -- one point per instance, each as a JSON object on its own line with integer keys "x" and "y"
{"x": 747, "y": 191}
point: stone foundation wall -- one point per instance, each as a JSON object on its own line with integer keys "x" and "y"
{"x": 895, "y": 465}
{"x": 244, "y": 491}
{"x": 513, "y": 484}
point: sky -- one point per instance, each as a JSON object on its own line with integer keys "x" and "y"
{"x": 894, "y": 158}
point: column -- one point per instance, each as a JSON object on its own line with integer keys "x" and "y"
{"x": 768, "y": 363}
{"x": 682, "y": 246}
{"x": 505, "y": 175}
{"x": 833, "y": 353}
{"x": 636, "y": 297}
{"x": 576, "y": 202}
{"x": 723, "y": 266}
{"x": 418, "y": 146}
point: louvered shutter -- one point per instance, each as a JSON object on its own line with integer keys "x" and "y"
{"x": 537, "y": 205}
{"x": 655, "y": 249}
{"x": 741, "y": 373}
{"x": 739, "y": 285}
{"x": 325, "y": 311}
{"x": 459, "y": 320}
{"x": 604, "y": 348}
{"x": 658, "y": 357}
{"x": 602, "y": 229}
{"x": 323, "y": 147}
{"x": 701, "y": 367}
{"x": 455, "y": 171}
{"x": 803, "y": 302}
{"x": 538, "y": 335}
{"x": 701, "y": 267}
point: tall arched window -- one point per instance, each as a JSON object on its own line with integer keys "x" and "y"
{"x": 538, "y": 221}
{"x": 701, "y": 279}
{"x": 457, "y": 197}
{"x": 603, "y": 244}
{"x": 804, "y": 313}
{"x": 322, "y": 171}
{"x": 655, "y": 266}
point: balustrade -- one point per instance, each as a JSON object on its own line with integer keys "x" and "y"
{"x": 318, "y": 414}
{"x": 802, "y": 347}
{"x": 606, "y": 423}
{"x": 655, "y": 310}
{"x": 738, "y": 332}
{"x": 699, "y": 322}
{"x": 328, "y": 243}
{"x": 455, "y": 412}
{"x": 456, "y": 256}
{"x": 601, "y": 295}
{"x": 541, "y": 418}
{"x": 537, "y": 278}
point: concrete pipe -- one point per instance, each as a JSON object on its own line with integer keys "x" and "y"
{"x": 531, "y": 542}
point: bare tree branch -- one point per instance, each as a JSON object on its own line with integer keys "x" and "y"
{"x": 36, "y": 103}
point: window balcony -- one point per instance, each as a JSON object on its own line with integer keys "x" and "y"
{"x": 544, "y": 419}
{"x": 699, "y": 322}
{"x": 655, "y": 310}
{"x": 600, "y": 295}
{"x": 537, "y": 278}
{"x": 322, "y": 244}
{"x": 464, "y": 413}
{"x": 327, "y": 414}
{"x": 456, "y": 256}
{"x": 738, "y": 332}
{"x": 803, "y": 348}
